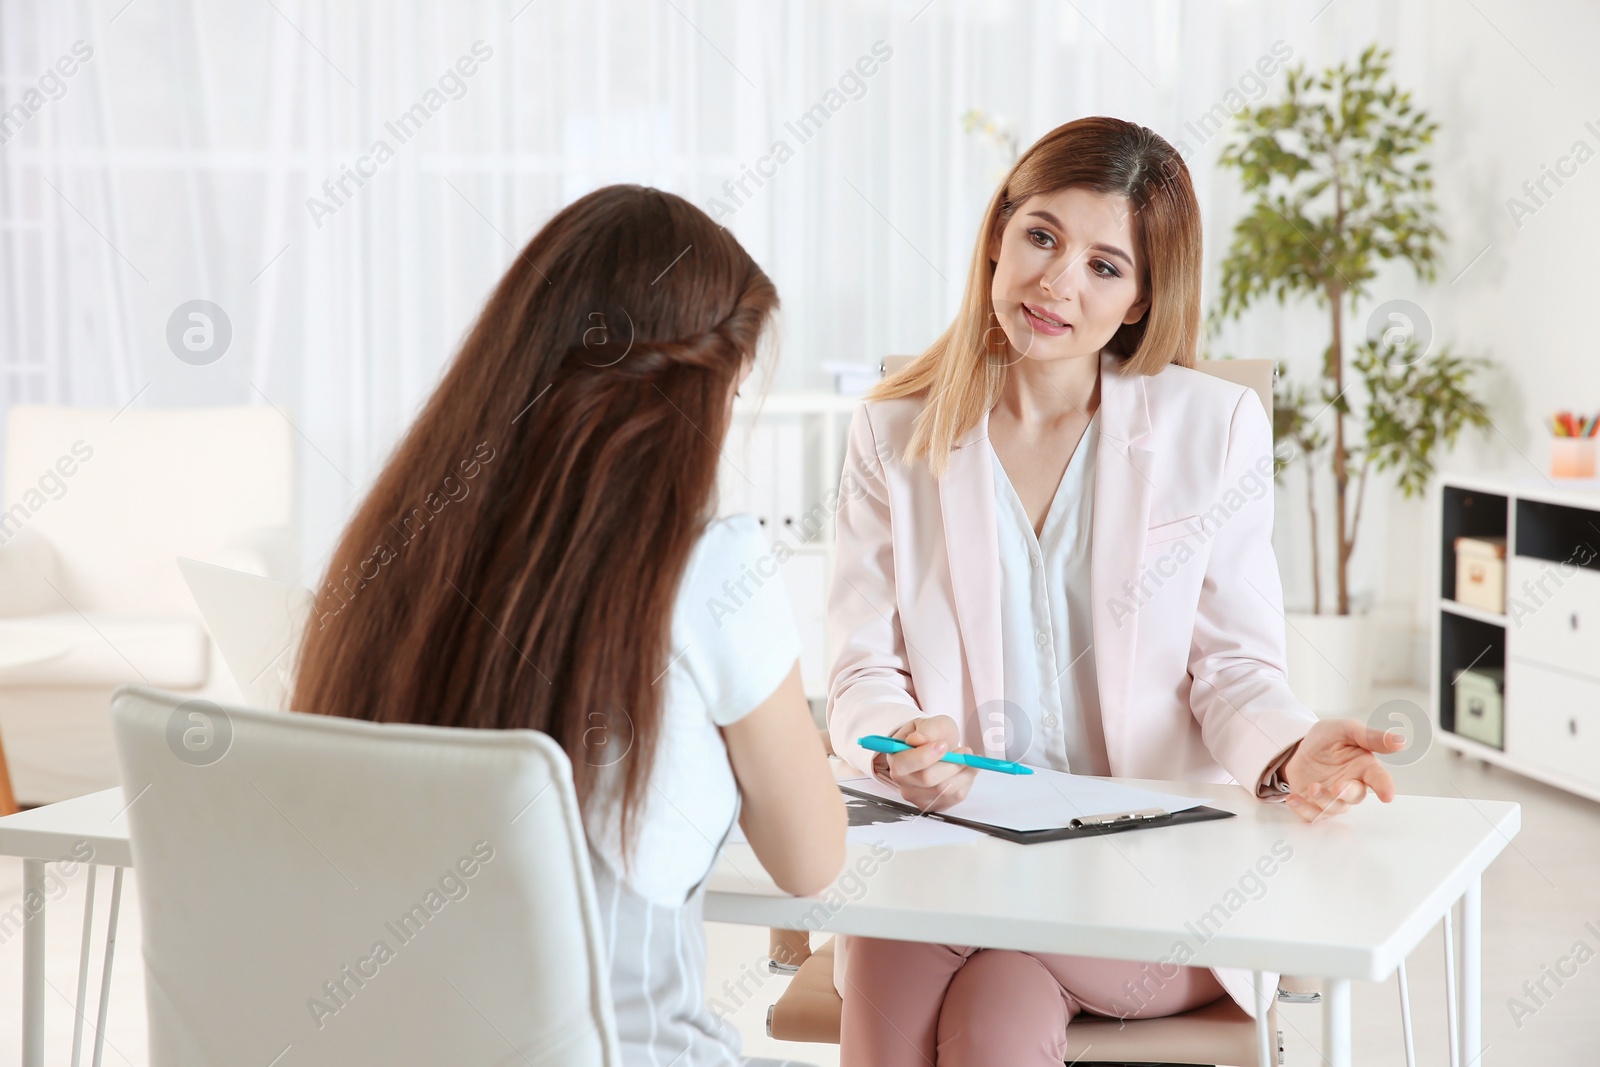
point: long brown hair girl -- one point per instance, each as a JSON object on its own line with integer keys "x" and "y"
{"x": 516, "y": 563}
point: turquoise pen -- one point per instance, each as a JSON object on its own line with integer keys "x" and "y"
{"x": 879, "y": 743}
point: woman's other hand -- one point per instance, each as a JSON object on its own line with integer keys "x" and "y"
{"x": 922, "y": 777}
{"x": 1334, "y": 766}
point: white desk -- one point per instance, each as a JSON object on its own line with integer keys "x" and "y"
{"x": 45, "y": 835}
{"x": 1357, "y": 894}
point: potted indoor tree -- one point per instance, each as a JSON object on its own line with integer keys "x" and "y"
{"x": 1339, "y": 187}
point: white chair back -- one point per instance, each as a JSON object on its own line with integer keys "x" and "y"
{"x": 318, "y": 890}
{"x": 1257, "y": 374}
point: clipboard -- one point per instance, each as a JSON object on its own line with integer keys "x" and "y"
{"x": 1092, "y": 826}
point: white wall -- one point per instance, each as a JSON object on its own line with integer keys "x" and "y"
{"x": 1512, "y": 87}
{"x": 183, "y": 155}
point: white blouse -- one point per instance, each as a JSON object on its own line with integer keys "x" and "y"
{"x": 1051, "y": 691}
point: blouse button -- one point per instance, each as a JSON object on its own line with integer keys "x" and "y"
{"x": 1043, "y": 639}
{"x": 1035, "y": 560}
{"x": 1050, "y": 721}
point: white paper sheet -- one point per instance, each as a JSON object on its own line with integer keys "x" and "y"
{"x": 1043, "y": 800}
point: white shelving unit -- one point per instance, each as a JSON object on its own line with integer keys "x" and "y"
{"x": 783, "y": 455}
{"x": 1548, "y": 638}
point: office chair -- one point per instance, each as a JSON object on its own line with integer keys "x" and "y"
{"x": 319, "y": 890}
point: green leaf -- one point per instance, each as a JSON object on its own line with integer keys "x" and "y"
{"x": 1337, "y": 187}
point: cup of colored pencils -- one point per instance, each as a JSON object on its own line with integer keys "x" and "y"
{"x": 1573, "y": 445}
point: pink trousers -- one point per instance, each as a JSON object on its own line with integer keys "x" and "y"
{"x": 917, "y": 1005}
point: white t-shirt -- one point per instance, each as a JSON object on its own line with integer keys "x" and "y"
{"x": 733, "y": 641}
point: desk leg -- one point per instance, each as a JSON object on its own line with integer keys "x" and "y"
{"x": 1405, "y": 1015}
{"x": 1451, "y": 1001}
{"x": 1472, "y": 971}
{"x": 105, "y": 975}
{"x": 33, "y": 963}
{"x": 1266, "y": 1039}
{"x": 83, "y": 968}
{"x": 1336, "y": 1021}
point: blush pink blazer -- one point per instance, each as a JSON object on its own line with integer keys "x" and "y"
{"x": 1188, "y": 626}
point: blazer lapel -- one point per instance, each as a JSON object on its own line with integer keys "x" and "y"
{"x": 1124, "y": 483}
{"x": 966, "y": 498}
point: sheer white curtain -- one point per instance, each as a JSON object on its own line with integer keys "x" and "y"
{"x": 206, "y": 151}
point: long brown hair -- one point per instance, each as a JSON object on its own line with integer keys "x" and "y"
{"x": 962, "y": 375}
{"x": 517, "y": 561}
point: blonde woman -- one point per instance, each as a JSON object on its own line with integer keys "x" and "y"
{"x": 1066, "y": 559}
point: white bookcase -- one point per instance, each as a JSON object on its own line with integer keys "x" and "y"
{"x": 1547, "y": 639}
{"x": 783, "y": 455}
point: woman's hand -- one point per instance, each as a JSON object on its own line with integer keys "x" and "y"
{"x": 1334, "y": 766}
{"x": 921, "y": 776}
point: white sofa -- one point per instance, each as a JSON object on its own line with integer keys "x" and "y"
{"x": 97, "y": 508}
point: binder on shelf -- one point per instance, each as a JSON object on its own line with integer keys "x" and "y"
{"x": 806, "y": 575}
{"x": 759, "y": 469}
{"x": 789, "y": 478}
{"x": 733, "y": 491}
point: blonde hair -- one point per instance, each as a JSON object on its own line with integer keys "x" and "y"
{"x": 963, "y": 371}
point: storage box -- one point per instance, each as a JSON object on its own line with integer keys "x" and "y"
{"x": 1480, "y": 706}
{"x": 1481, "y": 573}
{"x": 1573, "y": 457}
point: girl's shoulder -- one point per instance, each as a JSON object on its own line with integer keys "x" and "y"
{"x": 727, "y": 534}
{"x": 732, "y": 550}
{"x": 734, "y": 626}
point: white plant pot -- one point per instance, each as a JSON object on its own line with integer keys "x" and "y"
{"x": 1330, "y": 662}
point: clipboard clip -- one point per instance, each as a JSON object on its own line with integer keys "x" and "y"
{"x": 1141, "y": 817}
